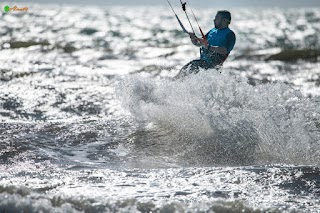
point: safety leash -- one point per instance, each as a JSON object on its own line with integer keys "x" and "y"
{"x": 181, "y": 25}
{"x": 185, "y": 11}
{"x": 203, "y": 36}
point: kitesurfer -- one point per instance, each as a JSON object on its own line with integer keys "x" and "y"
{"x": 215, "y": 49}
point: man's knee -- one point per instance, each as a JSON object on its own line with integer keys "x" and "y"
{"x": 191, "y": 67}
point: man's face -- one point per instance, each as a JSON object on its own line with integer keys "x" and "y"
{"x": 217, "y": 21}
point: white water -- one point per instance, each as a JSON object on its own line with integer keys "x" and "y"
{"x": 272, "y": 122}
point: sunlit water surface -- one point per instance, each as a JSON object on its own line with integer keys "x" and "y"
{"x": 91, "y": 120}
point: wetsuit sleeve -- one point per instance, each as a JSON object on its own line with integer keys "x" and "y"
{"x": 230, "y": 41}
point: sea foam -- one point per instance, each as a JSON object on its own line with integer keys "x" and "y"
{"x": 227, "y": 120}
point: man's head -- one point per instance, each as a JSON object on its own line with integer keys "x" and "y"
{"x": 222, "y": 19}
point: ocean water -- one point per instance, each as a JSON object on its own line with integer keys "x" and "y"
{"x": 92, "y": 120}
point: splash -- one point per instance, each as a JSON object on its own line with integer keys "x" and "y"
{"x": 220, "y": 119}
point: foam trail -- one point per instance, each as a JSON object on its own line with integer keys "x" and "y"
{"x": 228, "y": 120}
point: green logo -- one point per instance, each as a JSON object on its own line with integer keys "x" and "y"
{"x": 6, "y": 8}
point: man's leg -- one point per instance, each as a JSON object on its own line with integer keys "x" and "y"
{"x": 190, "y": 68}
{"x": 206, "y": 66}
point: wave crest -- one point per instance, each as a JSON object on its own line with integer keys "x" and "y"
{"x": 221, "y": 119}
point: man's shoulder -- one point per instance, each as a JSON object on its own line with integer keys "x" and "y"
{"x": 226, "y": 30}
{"x": 230, "y": 30}
{"x": 231, "y": 34}
{"x": 213, "y": 30}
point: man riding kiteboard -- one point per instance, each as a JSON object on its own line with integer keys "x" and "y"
{"x": 220, "y": 42}
{"x": 215, "y": 46}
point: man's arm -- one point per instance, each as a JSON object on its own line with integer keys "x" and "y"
{"x": 231, "y": 40}
{"x": 220, "y": 50}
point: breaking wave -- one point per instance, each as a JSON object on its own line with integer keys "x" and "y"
{"x": 212, "y": 118}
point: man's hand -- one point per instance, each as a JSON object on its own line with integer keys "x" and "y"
{"x": 203, "y": 43}
{"x": 192, "y": 36}
{"x": 194, "y": 39}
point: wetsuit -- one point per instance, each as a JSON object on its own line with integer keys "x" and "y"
{"x": 209, "y": 59}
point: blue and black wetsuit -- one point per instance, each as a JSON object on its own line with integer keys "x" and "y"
{"x": 209, "y": 59}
